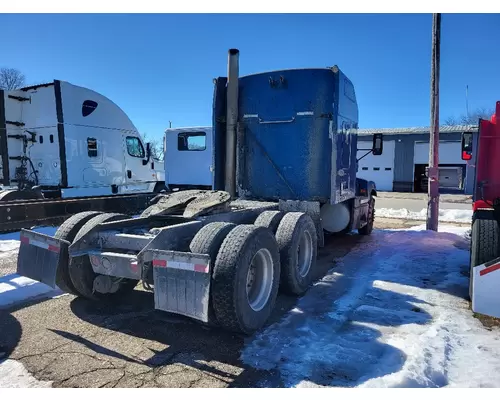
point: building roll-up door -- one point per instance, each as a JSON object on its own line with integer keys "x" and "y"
{"x": 379, "y": 169}
{"x": 451, "y": 165}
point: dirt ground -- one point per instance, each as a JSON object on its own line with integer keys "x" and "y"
{"x": 75, "y": 343}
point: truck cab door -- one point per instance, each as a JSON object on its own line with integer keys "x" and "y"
{"x": 139, "y": 174}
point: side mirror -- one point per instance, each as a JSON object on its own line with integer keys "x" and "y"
{"x": 148, "y": 154}
{"x": 378, "y": 144}
{"x": 466, "y": 146}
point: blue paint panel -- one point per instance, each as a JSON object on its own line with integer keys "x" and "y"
{"x": 288, "y": 121}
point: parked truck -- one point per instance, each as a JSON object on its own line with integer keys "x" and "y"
{"x": 63, "y": 145}
{"x": 285, "y": 149}
{"x": 485, "y": 236}
{"x": 188, "y": 158}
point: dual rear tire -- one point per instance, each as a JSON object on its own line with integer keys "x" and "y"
{"x": 77, "y": 276}
{"x": 251, "y": 263}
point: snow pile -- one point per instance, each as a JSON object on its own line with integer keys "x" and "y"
{"x": 8, "y": 245}
{"x": 14, "y": 375}
{"x": 392, "y": 313}
{"x": 15, "y": 289}
{"x": 11, "y": 241}
{"x": 462, "y": 216}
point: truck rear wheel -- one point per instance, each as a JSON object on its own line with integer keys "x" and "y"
{"x": 245, "y": 279}
{"x": 208, "y": 240}
{"x": 368, "y": 228}
{"x": 67, "y": 231}
{"x": 485, "y": 245}
{"x": 80, "y": 269}
{"x": 298, "y": 243}
{"x": 270, "y": 220}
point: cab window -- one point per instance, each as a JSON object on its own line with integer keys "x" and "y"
{"x": 134, "y": 147}
{"x": 191, "y": 141}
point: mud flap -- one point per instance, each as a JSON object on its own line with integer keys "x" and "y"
{"x": 40, "y": 257}
{"x": 181, "y": 282}
{"x": 485, "y": 284}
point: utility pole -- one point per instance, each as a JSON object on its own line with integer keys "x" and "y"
{"x": 433, "y": 171}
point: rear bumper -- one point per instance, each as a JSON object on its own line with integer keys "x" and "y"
{"x": 181, "y": 280}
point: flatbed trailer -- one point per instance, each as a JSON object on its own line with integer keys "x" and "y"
{"x": 221, "y": 256}
{"x": 18, "y": 214}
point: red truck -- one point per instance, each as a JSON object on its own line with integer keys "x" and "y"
{"x": 485, "y": 237}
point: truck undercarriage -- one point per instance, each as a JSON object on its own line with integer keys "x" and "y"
{"x": 204, "y": 256}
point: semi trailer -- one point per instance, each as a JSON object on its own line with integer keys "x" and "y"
{"x": 60, "y": 142}
{"x": 284, "y": 153}
{"x": 485, "y": 236}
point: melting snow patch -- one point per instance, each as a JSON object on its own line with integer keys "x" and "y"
{"x": 15, "y": 289}
{"x": 10, "y": 241}
{"x": 14, "y": 375}
{"x": 394, "y": 316}
{"x": 462, "y": 216}
{"x": 8, "y": 245}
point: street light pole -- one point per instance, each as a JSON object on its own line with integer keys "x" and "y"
{"x": 433, "y": 171}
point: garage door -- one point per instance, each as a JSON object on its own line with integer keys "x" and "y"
{"x": 379, "y": 169}
{"x": 449, "y": 153}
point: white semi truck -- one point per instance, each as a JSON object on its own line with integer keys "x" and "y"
{"x": 61, "y": 142}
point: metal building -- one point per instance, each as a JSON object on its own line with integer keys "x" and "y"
{"x": 402, "y": 166}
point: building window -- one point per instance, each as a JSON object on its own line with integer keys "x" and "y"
{"x": 191, "y": 141}
{"x": 134, "y": 147}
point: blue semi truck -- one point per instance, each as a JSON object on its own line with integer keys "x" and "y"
{"x": 284, "y": 153}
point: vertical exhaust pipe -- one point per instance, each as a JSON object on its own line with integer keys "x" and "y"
{"x": 231, "y": 120}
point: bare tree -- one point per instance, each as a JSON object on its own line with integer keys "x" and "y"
{"x": 156, "y": 146}
{"x": 471, "y": 119}
{"x": 11, "y": 79}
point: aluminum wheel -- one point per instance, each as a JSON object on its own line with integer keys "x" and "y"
{"x": 260, "y": 279}
{"x": 305, "y": 251}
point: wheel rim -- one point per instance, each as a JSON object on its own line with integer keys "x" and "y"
{"x": 260, "y": 279}
{"x": 305, "y": 251}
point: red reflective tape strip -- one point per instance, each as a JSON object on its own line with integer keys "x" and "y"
{"x": 201, "y": 268}
{"x": 42, "y": 245}
{"x": 489, "y": 269}
{"x": 159, "y": 263}
{"x": 55, "y": 249}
